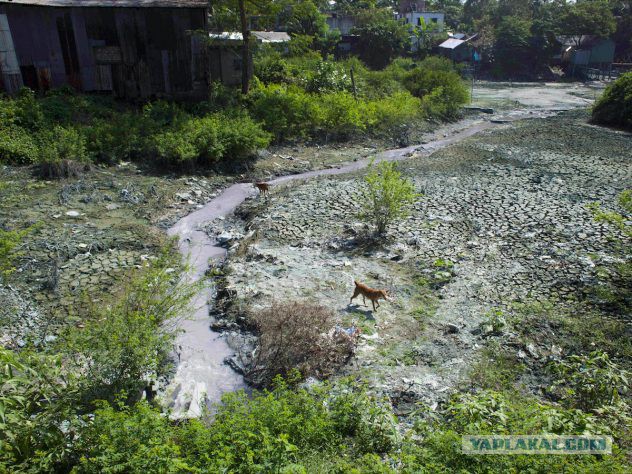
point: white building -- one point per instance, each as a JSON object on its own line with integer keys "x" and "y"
{"x": 436, "y": 19}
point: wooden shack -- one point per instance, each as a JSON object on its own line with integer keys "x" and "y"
{"x": 133, "y": 49}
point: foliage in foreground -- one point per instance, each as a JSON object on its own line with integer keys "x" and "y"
{"x": 9, "y": 243}
{"x": 44, "y": 398}
{"x": 614, "y": 107}
{"x": 386, "y": 195}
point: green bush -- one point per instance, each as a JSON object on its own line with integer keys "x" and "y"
{"x": 128, "y": 340}
{"x": 442, "y": 92}
{"x": 118, "y": 138}
{"x": 394, "y": 111}
{"x": 341, "y": 115}
{"x": 231, "y": 136}
{"x": 128, "y": 439}
{"x": 386, "y": 195}
{"x": 62, "y": 143}
{"x": 62, "y": 152}
{"x": 590, "y": 381}
{"x": 271, "y": 68}
{"x": 286, "y": 111}
{"x": 17, "y": 146}
{"x": 614, "y": 107}
{"x": 328, "y": 76}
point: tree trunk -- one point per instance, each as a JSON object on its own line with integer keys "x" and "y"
{"x": 245, "y": 48}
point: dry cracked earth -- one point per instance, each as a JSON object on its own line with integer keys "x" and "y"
{"x": 503, "y": 219}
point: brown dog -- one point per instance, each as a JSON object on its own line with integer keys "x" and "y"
{"x": 370, "y": 293}
{"x": 262, "y": 187}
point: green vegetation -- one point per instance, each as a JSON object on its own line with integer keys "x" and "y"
{"x": 293, "y": 98}
{"x": 613, "y": 290}
{"x": 381, "y": 38}
{"x": 386, "y": 195}
{"x": 9, "y": 242}
{"x": 614, "y": 107}
{"x": 63, "y": 131}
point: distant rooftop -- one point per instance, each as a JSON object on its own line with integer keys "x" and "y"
{"x": 586, "y": 41}
{"x": 263, "y": 36}
{"x": 111, "y": 3}
{"x": 451, "y": 43}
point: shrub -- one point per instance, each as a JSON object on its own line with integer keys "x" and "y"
{"x": 160, "y": 114}
{"x": 386, "y": 195}
{"x": 328, "y": 77}
{"x": 296, "y": 336}
{"x": 392, "y": 112}
{"x": 614, "y": 107}
{"x": 28, "y": 112}
{"x": 115, "y": 139}
{"x": 209, "y": 139}
{"x": 62, "y": 153}
{"x": 341, "y": 114}
{"x": 35, "y": 403}
{"x": 128, "y": 439}
{"x": 286, "y": 111}
{"x": 271, "y": 68}
{"x": 9, "y": 241}
{"x": 442, "y": 92}
{"x": 241, "y": 136}
{"x": 129, "y": 340}
{"x": 17, "y": 146}
{"x": 589, "y": 381}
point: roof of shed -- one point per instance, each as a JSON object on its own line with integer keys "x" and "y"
{"x": 272, "y": 36}
{"x": 586, "y": 41}
{"x": 111, "y": 3}
{"x": 262, "y": 36}
{"x": 451, "y": 43}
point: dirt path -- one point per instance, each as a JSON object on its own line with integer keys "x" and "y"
{"x": 202, "y": 373}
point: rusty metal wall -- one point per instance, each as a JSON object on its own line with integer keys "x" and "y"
{"x": 135, "y": 53}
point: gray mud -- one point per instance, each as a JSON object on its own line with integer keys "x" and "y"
{"x": 503, "y": 220}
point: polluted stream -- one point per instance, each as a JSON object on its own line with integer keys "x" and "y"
{"x": 201, "y": 376}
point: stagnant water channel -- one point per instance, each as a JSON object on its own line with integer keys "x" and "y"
{"x": 201, "y": 376}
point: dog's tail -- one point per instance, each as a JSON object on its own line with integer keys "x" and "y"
{"x": 356, "y": 283}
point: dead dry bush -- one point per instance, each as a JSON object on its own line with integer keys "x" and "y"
{"x": 297, "y": 336}
{"x": 60, "y": 169}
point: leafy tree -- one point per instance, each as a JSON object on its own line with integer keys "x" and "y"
{"x": 614, "y": 107}
{"x": 238, "y": 14}
{"x": 304, "y": 18}
{"x": 380, "y": 37}
{"x": 622, "y": 10}
{"x": 453, "y": 10}
{"x": 386, "y": 195}
{"x": 588, "y": 18}
{"x": 512, "y": 44}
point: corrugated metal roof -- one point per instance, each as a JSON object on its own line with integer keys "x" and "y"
{"x": 451, "y": 43}
{"x": 111, "y": 3}
{"x": 262, "y": 36}
{"x": 272, "y": 36}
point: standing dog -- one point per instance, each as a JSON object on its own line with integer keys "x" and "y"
{"x": 370, "y": 293}
{"x": 262, "y": 187}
